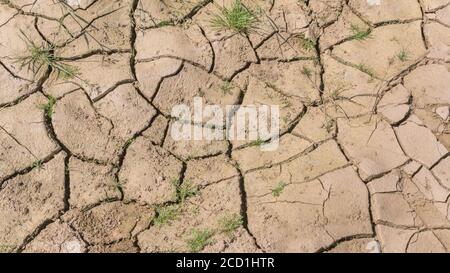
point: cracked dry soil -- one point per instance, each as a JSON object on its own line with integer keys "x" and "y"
{"x": 87, "y": 165}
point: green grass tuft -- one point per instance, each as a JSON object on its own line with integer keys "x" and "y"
{"x": 403, "y": 56}
{"x": 360, "y": 34}
{"x": 257, "y": 142}
{"x": 129, "y": 142}
{"x": 38, "y": 165}
{"x": 306, "y": 72}
{"x": 365, "y": 69}
{"x": 229, "y": 224}
{"x": 166, "y": 214}
{"x": 199, "y": 240}
{"x": 6, "y": 248}
{"x": 49, "y": 106}
{"x": 307, "y": 44}
{"x": 238, "y": 18}
{"x": 278, "y": 190}
{"x": 184, "y": 190}
{"x": 226, "y": 88}
{"x": 42, "y": 56}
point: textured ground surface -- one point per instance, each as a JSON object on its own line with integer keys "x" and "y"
{"x": 86, "y": 163}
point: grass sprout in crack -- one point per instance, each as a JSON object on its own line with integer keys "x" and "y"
{"x": 41, "y": 56}
{"x": 237, "y": 18}
{"x": 360, "y": 34}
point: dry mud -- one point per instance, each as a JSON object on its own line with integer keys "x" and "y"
{"x": 87, "y": 164}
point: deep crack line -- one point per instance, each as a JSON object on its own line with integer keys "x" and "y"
{"x": 244, "y": 208}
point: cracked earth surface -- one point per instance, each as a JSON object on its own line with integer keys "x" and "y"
{"x": 363, "y": 163}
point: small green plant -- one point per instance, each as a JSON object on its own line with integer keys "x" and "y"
{"x": 403, "y": 56}
{"x": 307, "y": 44}
{"x": 359, "y": 34}
{"x": 38, "y": 165}
{"x": 365, "y": 69}
{"x": 41, "y": 56}
{"x": 238, "y": 18}
{"x": 6, "y": 248}
{"x": 129, "y": 142}
{"x": 278, "y": 190}
{"x": 184, "y": 190}
{"x": 257, "y": 142}
{"x": 164, "y": 23}
{"x": 199, "y": 240}
{"x": 230, "y": 223}
{"x": 49, "y": 106}
{"x": 306, "y": 72}
{"x": 165, "y": 214}
{"x": 226, "y": 88}
{"x": 328, "y": 125}
{"x": 200, "y": 92}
